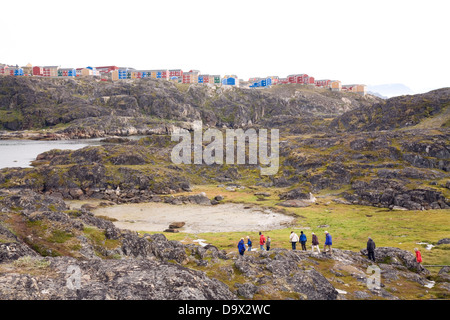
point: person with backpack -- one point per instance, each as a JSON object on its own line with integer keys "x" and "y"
{"x": 268, "y": 243}
{"x": 315, "y": 243}
{"x": 294, "y": 239}
{"x": 249, "y": 243}
{"x": 371, "y": 249}
{"x": 328, "y": 242}
{"x": 241, "y": 247}
{"x": 262, "y": 241}
{"x": 303, "y": 240}
{"x": 418, "y": 255}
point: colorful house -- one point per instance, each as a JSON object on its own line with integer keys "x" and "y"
{"x": 28, "y": 69}
{"x": 356, "y": 88}
{"x": 191, "y": 76}
{"x": 214, "y": 79}
{"x": 88, "y": 71}
{"x": 3, "y": 69}
{"x": 230, "y": 80}
{"x": 175, "y": 73}
{"x": 106, "y": 69}
{"x": 275, "y": 79}
{"x": 122, "y": 73}
{"x": 299, "y": 78}
{"x": 336, "y": 85}
{"x": 67, "y": 72}
{"x": 261, "y": 82}
{"x": 11, "y": 70}
{"x": 325, "y": 83}
{"x": 207, "y": 79}
{"x": 50, "y": 71}
{"x": 159, "y": 74}
{"x": 38, "y": 71}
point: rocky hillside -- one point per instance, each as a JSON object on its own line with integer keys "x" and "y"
{"x": 405, "y": 170}
{"x": 398, "y": 112}
{"x": 42, "y": 243}
{"x": 78, "y": 104}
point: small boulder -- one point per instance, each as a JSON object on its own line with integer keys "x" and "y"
{"x": 176, "y": 225}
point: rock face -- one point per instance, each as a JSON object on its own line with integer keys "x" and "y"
{"x": 444, "y": 241}
{"x": 394, "y": 113}
{"x": 397, "y": 257}
{"x": 127, "y": 279}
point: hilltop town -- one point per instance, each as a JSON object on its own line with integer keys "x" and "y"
{"x": 114, "y": 73}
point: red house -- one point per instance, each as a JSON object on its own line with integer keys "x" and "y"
{"x": 175, "y": 73}
{"x": 106, "y": 69}
{"x": 38, "y": 71}
{"x": 323, "y": 83}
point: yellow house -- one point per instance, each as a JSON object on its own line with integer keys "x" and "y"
{"x": 28, "y": 69}
{"x": 336, "y": 85}
{"x": 361, "y": 89}
{"x": 115, "y": 75}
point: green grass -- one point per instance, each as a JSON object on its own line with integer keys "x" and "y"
{"x": 349, "y": 225}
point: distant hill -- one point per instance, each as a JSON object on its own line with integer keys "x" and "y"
{"x": 429, "y": 109}
{"x": 389, "y": 90}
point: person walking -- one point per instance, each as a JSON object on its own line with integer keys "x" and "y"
{"x": 303, "y": 240}
{"x": 294, "y": 239}
{"x": 315, "y": 243}
{"x": 241, "y": 247}
{"x": 249, "y": 243}
{"x": 328, "y": 242}
{"x": 371, "y": 249}
{"x": 268, "y": 243}
{"x": 262, "y": 241}
{"x": 418, "y": 255}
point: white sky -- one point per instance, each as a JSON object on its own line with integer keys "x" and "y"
{"x": 355, "y": 41}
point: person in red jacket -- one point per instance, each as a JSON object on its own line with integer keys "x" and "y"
{"x": 262, "y": 241}
{"x": 418, "y": 255}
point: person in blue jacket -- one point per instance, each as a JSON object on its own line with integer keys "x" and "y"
{"x": 241, "y": 247}
{"x": 249, "y": 244}
{"x": 328, "y": 242}
{"x": 303, "y": 240}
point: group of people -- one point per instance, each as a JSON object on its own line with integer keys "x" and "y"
{"x": 263, "y": 241}
{"x": 294, "y": 238}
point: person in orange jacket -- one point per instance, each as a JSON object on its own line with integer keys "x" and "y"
{"x": 418, "y": 255}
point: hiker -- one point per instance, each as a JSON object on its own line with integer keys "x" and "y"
{"x": 249, "y": 244}
{"x": 262, "y": 241}
{"x": 315, "y": 242}
{"x": 303, "y": 240}
{"x": 268, "y": 243}
{"x": 294, "y": 239}
{"x": 241, "y": 247}
{"x": 371, "y": 249}
{"x": 328, "y": 242}
{"x": 418, "y": 255}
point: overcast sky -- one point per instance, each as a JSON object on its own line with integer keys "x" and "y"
{"x": 370, "y": 42}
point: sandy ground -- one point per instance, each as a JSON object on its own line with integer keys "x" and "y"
{"x": 219, "y": 218}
